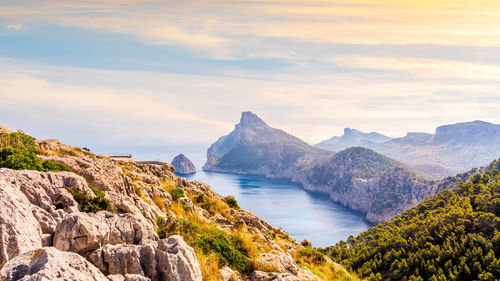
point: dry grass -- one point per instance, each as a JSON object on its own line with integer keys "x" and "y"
{"x": 159, "y": 202}
{"x": 325, "y": 270}
{"x": 209, "y": 265}
{"x": 168, "y": 185}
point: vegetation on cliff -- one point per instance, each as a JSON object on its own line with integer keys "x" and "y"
{"x": 454, "y": 235}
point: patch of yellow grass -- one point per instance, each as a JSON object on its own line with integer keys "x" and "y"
{"x": 168, "y": 185}
{"x": 326, "y": 270}
{"x": 209, "y": 266}
{"x": 159, "y": 202}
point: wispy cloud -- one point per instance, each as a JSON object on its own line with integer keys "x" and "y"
{"x": 14, "y": 26}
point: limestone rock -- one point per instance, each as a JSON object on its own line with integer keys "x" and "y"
{"x": 50, "y": 264}
{"x": 183, "y": 165}
{"x": 273, "y": 276}
{"x": 47, "y": 193}
{"x": 84, "y": 232}
{"x": 19, "y": 230}
{"x": 167, "y": 259}
{"x": 228, "y": 274}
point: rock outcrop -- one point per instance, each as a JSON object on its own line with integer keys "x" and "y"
{"x": 19, "y": 230}
{"x": 168, "y": 259}
{"x": 183, "y": 165}
{"x": 50, "y": 264}
{"x": 83, "y": 232}
{"x": 46, "y": 235}
{"x": 358, "y": 178}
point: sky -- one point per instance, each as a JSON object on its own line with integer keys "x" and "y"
{"x": 120, "y": 73}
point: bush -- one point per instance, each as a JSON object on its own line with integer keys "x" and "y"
{"x": 91, "y": 205}
{"x": 51, "y": 166}
{"x": 177, "y": 193}
{"x": 312, "y": 256}
{"x": 231, "y": 201}
{"x": 170, "y": 226}
{"x": 228, "y": 249}
{"x": 19, "y": 140}
{"x": 22, "y": 159}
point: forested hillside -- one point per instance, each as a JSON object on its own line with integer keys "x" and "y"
{"x": 454, "y": 235}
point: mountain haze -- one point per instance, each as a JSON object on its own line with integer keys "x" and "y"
{"x": 451, "y": 149}
{"x": 358, "y": 178}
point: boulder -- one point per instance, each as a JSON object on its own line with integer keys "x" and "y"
{"x": 50, "y": 264}
{"x": 85, "y": 232}
{"x": 183, "y": 165}
{"x": 19, "y": 230}
{"x": 168, "y": 259}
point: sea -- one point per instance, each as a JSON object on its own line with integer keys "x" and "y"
{"x": 284, "y": 204}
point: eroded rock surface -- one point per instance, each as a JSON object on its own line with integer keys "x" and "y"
{"x": 19, "y": 230}
{"x": 84, "y": 232}
{"x": 167, "y": 259}
{"x": 50, "y": 264}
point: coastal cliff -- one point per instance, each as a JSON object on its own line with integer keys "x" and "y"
{"x": 358, "y": 178}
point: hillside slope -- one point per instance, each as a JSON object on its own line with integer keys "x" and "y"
{"x": 358, "y": 178}
{"x": 454, "y": 235}
{"x": 67, "y": 214}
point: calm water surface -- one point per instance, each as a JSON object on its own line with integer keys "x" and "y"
{"x": 282, "y": 204}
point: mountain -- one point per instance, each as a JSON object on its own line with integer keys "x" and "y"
{"x": 453, "y": 148}
{"x": 68, "y": 214}
{"x": 352, "y": 138}
{"x": 183, "y": 165}
{"x": 358, "y": 178}
{"x": 454, "y": 235}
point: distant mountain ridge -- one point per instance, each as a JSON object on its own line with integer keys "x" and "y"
{"x": 358, "y": 178}
{"x": 453, "y": 148}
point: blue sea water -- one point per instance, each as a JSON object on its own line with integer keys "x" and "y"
{"x": 302, "y": 214}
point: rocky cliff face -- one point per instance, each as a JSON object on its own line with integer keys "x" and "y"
{"x": 52, "y": 228}
{"x": 358, "y": 178}
{"x": 183, "y": 165}
{"x": 453, "y": 148}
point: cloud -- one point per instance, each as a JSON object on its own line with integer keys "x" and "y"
{"x": 14, "y": 26}
{"x": 88, "y": 106}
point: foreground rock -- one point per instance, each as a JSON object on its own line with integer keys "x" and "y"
{"x": 50, "y": 264}
{"x": 168, "y": 259}
{"x": 183, "y": 165}
{"x": 84, "y": 232}
{"x": 19, "y": 230}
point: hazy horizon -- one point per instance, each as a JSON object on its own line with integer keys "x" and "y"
{"x": 162, "y": 73}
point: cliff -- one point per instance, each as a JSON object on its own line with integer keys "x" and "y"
{"x": 358, "y": 178}
{"x": 68, "y": 214}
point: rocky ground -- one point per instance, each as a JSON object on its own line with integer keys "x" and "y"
{"x": 109, "y": 220}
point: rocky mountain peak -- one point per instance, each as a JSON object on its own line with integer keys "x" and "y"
{"x": 249, "y": 119}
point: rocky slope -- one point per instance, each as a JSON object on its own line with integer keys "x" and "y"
{"x": 183, "y": 165}
{"x": 108, "y": 220}
{"x": 453, "y": 148}
{"x": 358, "y": 178}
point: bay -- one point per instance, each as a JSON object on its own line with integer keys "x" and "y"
{"x": 302, "y": 214}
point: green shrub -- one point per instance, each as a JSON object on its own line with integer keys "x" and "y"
{"x": 312, "y": 255}
{"x": 22, "y": 159}
{"x": 51, "y": 166}
{"x": 231, "y": 201}
{"x": 19, "y": 140}
{"x": 228, "y": 248}
{"x": 91, "y": 205}
{"x": 170, "y": 226}
{"x": 19, "y": 159}
{"x": 177, "y": 193}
